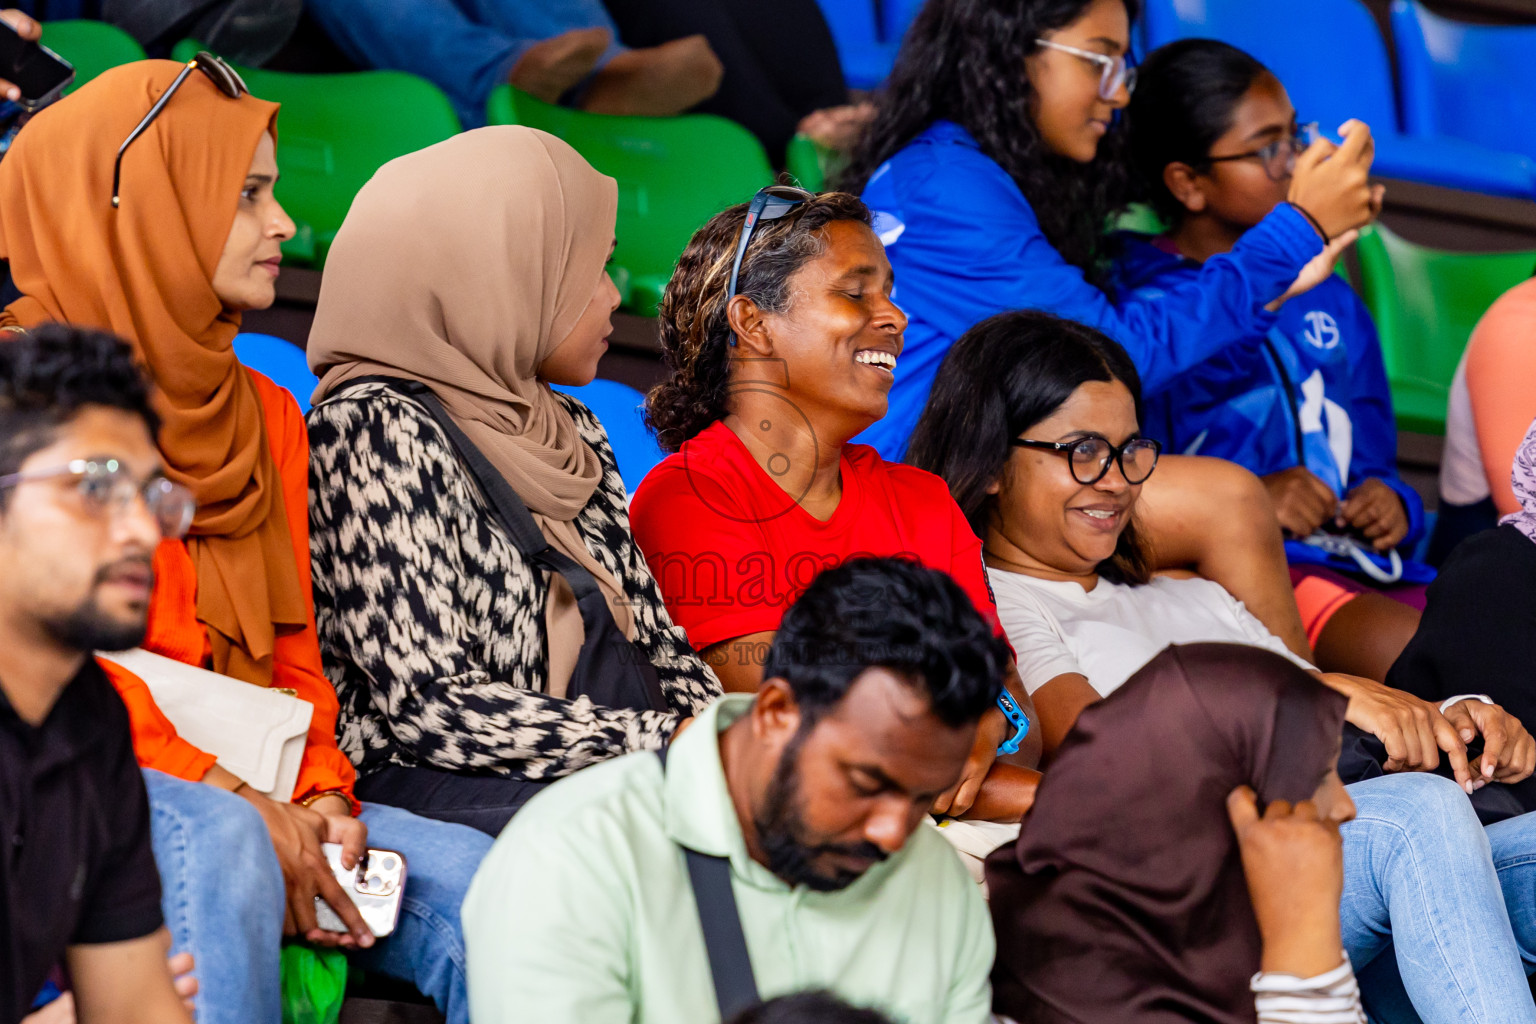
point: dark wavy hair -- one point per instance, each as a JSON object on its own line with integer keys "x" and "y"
{"x": 695, "y": 333}
{"x": 1002, "y": 377}
{"x": 50, "y": 373}
{"x": 890, "y": 613}
{"x": 963, "y": 61}
{"x": 1184, "y": 101}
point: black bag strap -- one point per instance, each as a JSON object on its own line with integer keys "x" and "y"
{"x": 505, "y": 504}
{"x": 730, "y": 965}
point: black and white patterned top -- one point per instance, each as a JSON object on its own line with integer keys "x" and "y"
{"x": 431, "y": 623}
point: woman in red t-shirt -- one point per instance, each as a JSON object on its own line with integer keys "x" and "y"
{"x": 773, "y": 377}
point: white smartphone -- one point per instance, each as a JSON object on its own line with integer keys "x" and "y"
{"x": 376, "y": 886}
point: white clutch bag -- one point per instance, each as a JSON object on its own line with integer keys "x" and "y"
{"x": 256, "y": 733}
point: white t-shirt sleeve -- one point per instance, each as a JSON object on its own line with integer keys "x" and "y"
{"x": 1254, "y": 631}
{"x": 1039, "y": 642}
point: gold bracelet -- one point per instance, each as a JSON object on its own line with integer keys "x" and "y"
{"x": 315, "y": 798}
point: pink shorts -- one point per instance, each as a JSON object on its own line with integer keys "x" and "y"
{"x": 1321, "y": 592}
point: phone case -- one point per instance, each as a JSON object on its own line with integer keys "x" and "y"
{"x": 376, "y": 885}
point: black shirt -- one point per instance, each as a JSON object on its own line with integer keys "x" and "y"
{"x": 1478, "y": 633}
{"x": 76, "y": 864}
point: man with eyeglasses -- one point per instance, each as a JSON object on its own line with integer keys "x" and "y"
{"x": 82, "y": 507}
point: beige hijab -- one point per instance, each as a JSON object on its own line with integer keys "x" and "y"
{"x": 463, "y": 266}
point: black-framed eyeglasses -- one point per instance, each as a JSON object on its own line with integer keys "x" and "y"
{"x": 106, "y": 487}
{"x": 1090, "y": 456}
{"x": 1115, "y": 73}
{"x": 770, "y": 203}
{"x": 1279, "y": 156}
{"x": 225, "y": 78}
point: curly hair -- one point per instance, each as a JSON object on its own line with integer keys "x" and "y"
{"x": 49, "y": 373}
{"x": 963, "y": 61}
{"x": 695, "y": 333}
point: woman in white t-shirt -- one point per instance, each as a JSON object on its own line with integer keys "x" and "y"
{"x": 1034, "y": 422}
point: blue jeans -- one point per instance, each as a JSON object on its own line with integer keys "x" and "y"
{"x": 224, "y": 900}
{"x": 1429, "y": 897}
{"x": 464, "y": 47}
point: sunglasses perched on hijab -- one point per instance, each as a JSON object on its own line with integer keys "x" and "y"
{"x": 223, "y": 77}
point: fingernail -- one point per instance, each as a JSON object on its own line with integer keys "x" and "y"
{"x": 13, "y": 93}
{"x": 1467, "y": 735}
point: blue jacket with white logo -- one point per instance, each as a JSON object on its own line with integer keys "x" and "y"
{"x": 1311, "y": 390}
{"x": 965, "y": 245}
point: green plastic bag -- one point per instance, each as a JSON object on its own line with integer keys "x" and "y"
{"x": 314, "y": 982}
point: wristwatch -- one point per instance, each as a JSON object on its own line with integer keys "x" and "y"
{"x": 1020, "y": 720}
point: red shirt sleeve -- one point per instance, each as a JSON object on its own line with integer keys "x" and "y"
{"x": 155, "y": 741}
{"x": 296, "y": 656}
{"x": 715, "y": 571}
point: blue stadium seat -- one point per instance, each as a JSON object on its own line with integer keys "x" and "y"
{"x": 1334, "y": 63}
{"x": 1473, "y": 82}
{"x": 863, "y": 46}
{"x": 620, "y": 408}
{"x": 279, "y": 359}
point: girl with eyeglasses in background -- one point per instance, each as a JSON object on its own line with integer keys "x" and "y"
{"x": 1304, "y": 402}
{"x": 994, "y": 164}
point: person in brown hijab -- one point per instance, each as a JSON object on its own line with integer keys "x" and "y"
{"x": 1125, "y": 900}
{"x": 475, "y": 268}
{"x": 192, "y": 241}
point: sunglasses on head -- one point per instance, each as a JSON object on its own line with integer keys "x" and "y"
{"x": 770, "y": 203}
{"x": 223, "y": 77}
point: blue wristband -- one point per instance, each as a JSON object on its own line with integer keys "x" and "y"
{"x": 1012, "y": 712}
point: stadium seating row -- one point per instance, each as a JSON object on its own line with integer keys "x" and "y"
{"x": 674, "y": 173}
{"x": 1454, "y": 115}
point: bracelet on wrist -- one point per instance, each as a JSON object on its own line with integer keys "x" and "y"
{"x": 1020, "y": 721}
{"x": 1450, "y": 702}
{"x": 1316, "y": 225}
{"x": 315, "y": 798}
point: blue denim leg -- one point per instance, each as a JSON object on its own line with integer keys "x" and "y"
{"x": 464, "y": 47}
{"x": 427, "y": 947}
{"x": 1420, "y": 887}
{"x": 223, "y": 897}
{"x": 1513, "y": 843}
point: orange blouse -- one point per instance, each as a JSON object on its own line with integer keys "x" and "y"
{"x": 175, "y": 632}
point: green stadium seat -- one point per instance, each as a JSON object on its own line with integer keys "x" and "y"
{"x": 334, "y": 131}
{"x": 674, "y": 173}
{"x": 91, "y": 46}
{"x": 1426, "y": 302}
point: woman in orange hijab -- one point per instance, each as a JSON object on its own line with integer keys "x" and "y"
{"x": 167, "y": 250}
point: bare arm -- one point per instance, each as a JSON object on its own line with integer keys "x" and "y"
{"x": 1216, "y": 517}
{"x": 125, "y": 982}
{"x": 1058, "y": 704}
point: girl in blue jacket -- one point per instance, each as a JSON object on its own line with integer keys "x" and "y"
{"x": 993, "y": 165}
{"x": 1303, "y": 402}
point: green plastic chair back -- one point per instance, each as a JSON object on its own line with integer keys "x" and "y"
{"x": 1426, "y": 302}
{"x": 91, "y": 46}
{"x": 334, "y": 131}
{"x": 674, "y": 173}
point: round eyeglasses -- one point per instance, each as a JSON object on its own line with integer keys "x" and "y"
{"x": 1091, "y": 456}
{"x": 1114, "y": 72}
{"x": 1279, "y": 156}
{"x": 106, "y": 487}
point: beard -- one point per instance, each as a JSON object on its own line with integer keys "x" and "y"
{"x": 783, "y": 836}
{"x": 88, "y": 628}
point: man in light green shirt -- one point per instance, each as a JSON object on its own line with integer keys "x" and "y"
{"x": 815, "y": 791}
